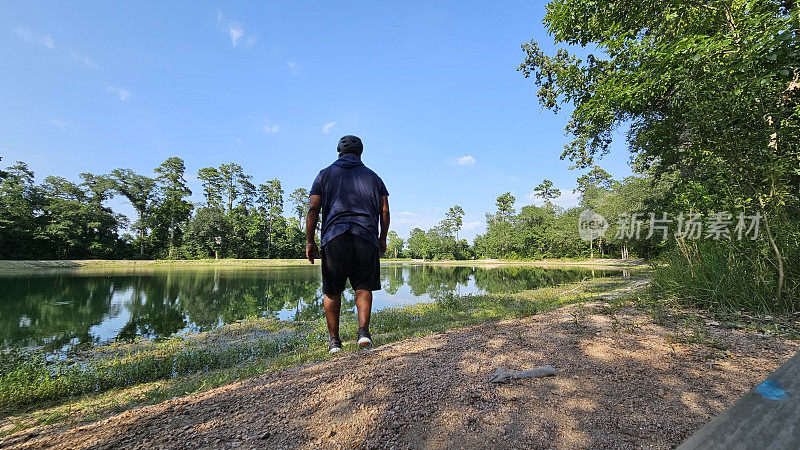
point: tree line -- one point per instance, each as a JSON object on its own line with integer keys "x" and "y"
{"x": 546, "y": 231}
{"x": 61, "y": 219}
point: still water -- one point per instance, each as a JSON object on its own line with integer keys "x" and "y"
{"x": 66, "y": 307}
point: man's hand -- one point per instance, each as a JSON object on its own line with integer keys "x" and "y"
{"x": 315, "y": 203}
{"x": 384, "y": 223}
{"x": 311, "y": 250}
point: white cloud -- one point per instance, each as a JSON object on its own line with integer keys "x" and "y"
{"x": 45, "y": 40}
{"x": 471, "y": 226}
{"x": 327, "y": 127}
{"x": 123, "y": 94}
{"x": 60, "y": 124}
{"x": 423, "y": 222}
{"x": 271, "y": 128}
{"x": 293, "y": 66}
{"x": 411, "y": 219}
{"x": 24, "y": 33}
{"x": 80, "y": 59}
{"x": 466, "y": 160}
{"x": 48, "y": 41}
{"x": 235, "y": 33}
{"x": 89, "y": 62}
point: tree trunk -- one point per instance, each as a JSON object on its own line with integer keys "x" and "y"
{"x": 775, "y": 249}
{"x": 171, "y": 235}
{"x": 141, "y": 233}
{"x": 269, "y": 237}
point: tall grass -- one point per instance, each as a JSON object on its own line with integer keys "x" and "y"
{"x": 728, "y": 276}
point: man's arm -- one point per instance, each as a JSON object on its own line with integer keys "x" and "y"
{"x": 315, "y": 203}
{"x": 384, "y": 222}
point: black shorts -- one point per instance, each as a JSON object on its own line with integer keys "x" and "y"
{"x": 349, "y": 256}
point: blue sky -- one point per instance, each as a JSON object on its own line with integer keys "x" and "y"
{"x": 430, "y": 87}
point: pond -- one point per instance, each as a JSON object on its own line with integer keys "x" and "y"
{"x": 59, "y": 308}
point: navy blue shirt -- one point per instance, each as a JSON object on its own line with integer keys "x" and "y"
{"x": 351, "y": 199}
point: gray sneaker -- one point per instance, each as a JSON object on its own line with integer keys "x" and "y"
{"x": 364, "y": 338}
{"x": 335, "y": 345}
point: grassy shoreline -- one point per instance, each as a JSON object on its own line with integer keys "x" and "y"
{"x": 9, "y": 265}
{"x": 126, "y": 375}
{"x": 112, "y": 378}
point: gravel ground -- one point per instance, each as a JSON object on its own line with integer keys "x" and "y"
{"x": 622, "y": 382}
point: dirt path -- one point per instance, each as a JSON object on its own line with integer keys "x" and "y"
{"x": 620, "y": 383}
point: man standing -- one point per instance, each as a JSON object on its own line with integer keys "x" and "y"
{"x": 353, "y": 199}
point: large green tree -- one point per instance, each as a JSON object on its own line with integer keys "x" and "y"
{"x": 505, "y": 207}
{"x": 213, "y": 185}
{"x": 270, "y": 198}
{"x": 140, "y": 192}
{"x": 696, "y": 82}
{"x": 236, "y": 186}
{"x": 593, "y": 185}
{"x": 547, "y": 192}
{"x": 19, "y": 206}
{"x": 299, "y": 198}
{"x": 454, "y": 219}
{"x": 173, "y": 210}
{"x": 209, "y": 234}
{"x": 78, "y": 225}
{"x": 394, "y": 244}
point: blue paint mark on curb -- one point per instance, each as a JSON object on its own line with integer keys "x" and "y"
{"x": 771, "y": 390}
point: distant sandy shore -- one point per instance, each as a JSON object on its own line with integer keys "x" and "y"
{"x": 100, "y": 263}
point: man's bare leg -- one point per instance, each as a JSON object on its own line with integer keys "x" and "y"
{"x": 332, "y": 305}
{"x": 364, "y": 307}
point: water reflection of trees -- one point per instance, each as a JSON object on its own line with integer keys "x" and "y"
{"x": 437, "y": 281}
{"x": 63, "y": 308}
{"x": 154, "y": 309}
{"x": 392, "y": 278}
{"x": 36, "y": 310}
{"x": 515, "y": 279}
{"x": 211, "y": 299}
